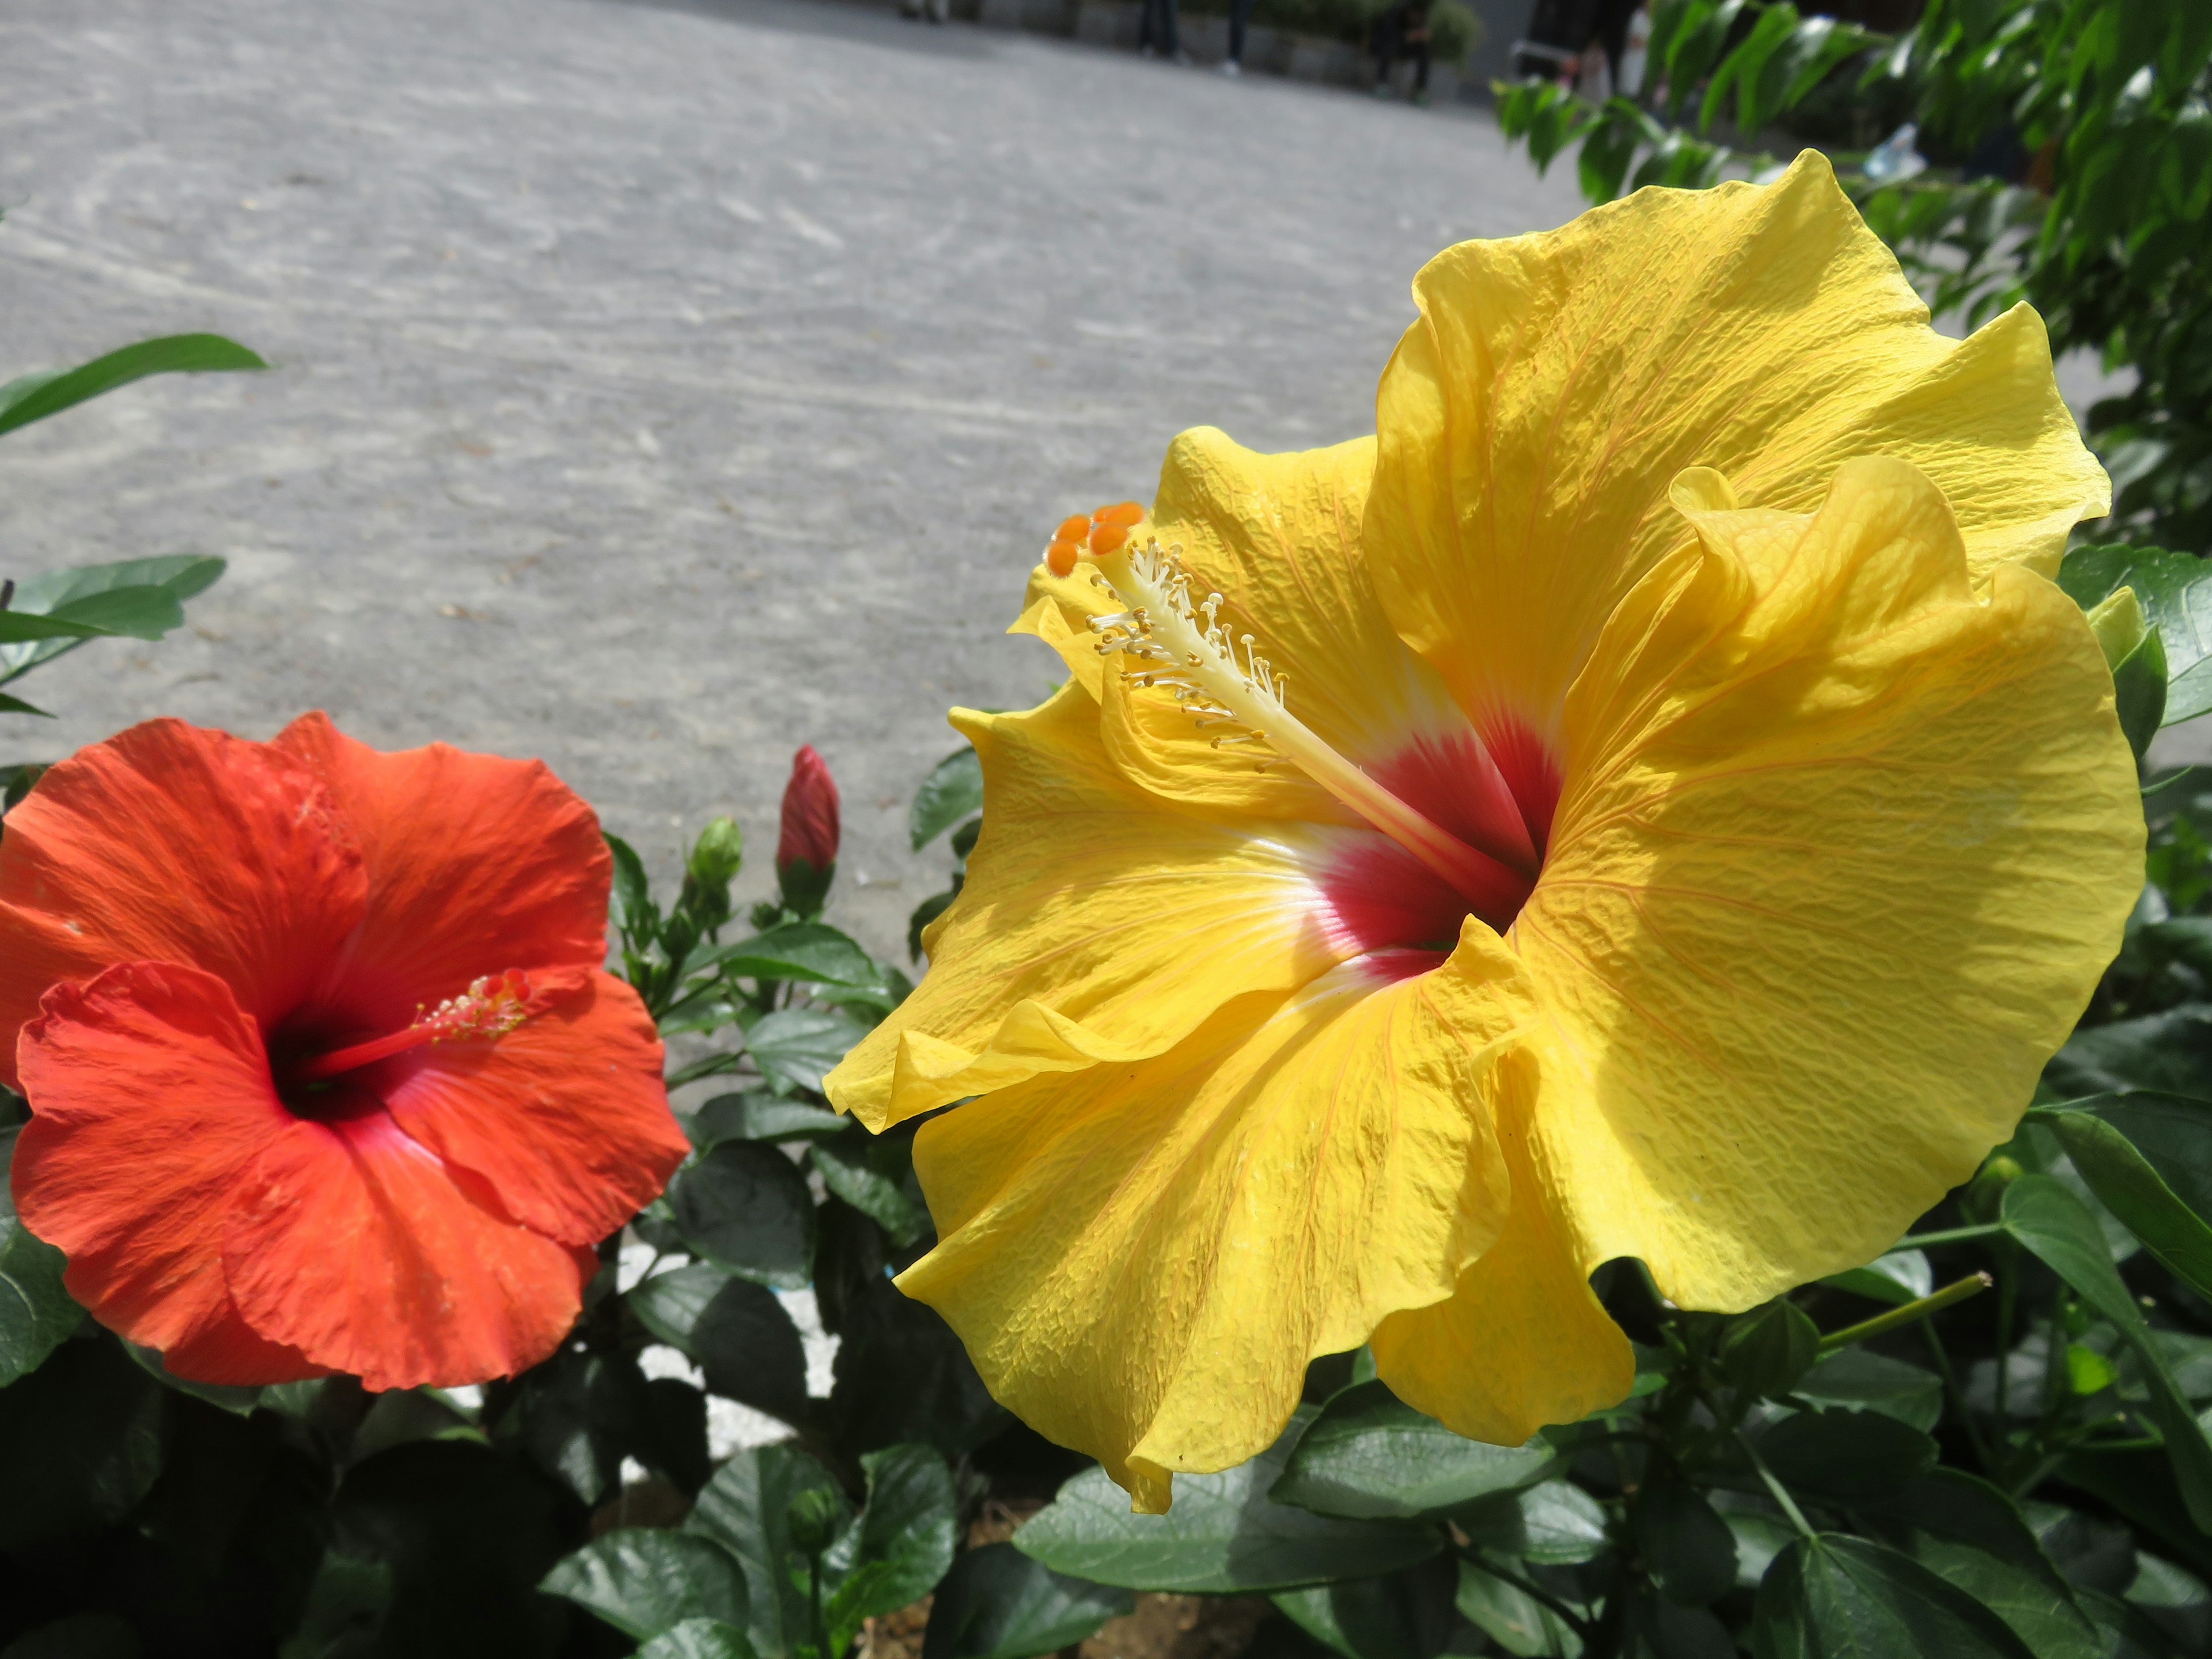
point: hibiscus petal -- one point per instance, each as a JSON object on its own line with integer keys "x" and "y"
{"x": 369, "y": 1254}
{"x": 169, "y": 843}
{"x": 1077, "y": 939}
{"x": 1847, "y": 842}
{"x": 150, "y": 1099}
{"x": 1520, "y": 1342}
{"x": 1142, "y": 1260}
{"x": 565, "y": 1117}
{"x": 476, "y": 864}
{"x": 1531, "y": 421}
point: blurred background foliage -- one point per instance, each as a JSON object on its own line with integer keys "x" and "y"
{"x": 2057, "y": 151}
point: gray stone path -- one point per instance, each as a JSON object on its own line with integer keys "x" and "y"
{"x": 660, "y": 386}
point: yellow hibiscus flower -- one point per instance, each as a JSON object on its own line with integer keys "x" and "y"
{"x": 1647, "y": 801}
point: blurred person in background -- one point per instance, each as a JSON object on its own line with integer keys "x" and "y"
{"x": 1580, "y": 44}
{"x": 1240, "y": 13}
{"x": 1401, "y": 32}
{"x": 1156, "y": 33}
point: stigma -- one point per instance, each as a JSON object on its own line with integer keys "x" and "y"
{"x": 1173, "y": 641}
{"x": 489, "y": 1009}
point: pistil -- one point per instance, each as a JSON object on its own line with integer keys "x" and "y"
{"x": 489, "y": 1008}
{"x": 1186, "y": 650}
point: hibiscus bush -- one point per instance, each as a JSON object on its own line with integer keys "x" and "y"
{"x": 2068, "y": 161}
{"x": 1577, "y": 1032}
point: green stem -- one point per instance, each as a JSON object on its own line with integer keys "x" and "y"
{"x": 1949, "y": 1236}
{"x": 1896, "y": 1318}
{"x": 1774, "y": 1487}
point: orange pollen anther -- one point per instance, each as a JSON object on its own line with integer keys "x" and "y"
{"x": 1060, "y": 556}
{"x": 1123, "y": 514}
{"x": 489, "y": 1008}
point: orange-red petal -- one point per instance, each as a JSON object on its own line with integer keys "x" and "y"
{"x": 565, "y": 1117}
{"x": 150, "y": 1100}
{"x": 364, "y": 1250}
{"x": 170, "y": 843}
{"x": 476, "y": 864}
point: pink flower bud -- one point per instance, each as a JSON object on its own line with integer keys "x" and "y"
{"x": 809, "y": 817}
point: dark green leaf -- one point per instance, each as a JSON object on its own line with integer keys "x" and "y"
{"x": 1859, "y": 1380}
{"x": 746, "y": 1206}
{"x": 803, "y": 951}
{"x": 1224, "y": 1535}
{"x": 2051, "y": 1222}
{"x": 747, "y": 1509}
{"x": 1686, "y": 1547}
{"x": 1401, "y": 1615}
{"x": 1510, "y": 1616}
{"x": 875, "y": 1175}
{"x": 579, "y": 1415}
{"x": 2113, "y": 1141}
{"x": 901, "y": 1546}
{"x": 1898, "y": 1278}
{"x": 1671, "y": 1631}
{"x": 2169, "y": 1052}
{"x": 672, "y": 1439}
{"x": 902, "y": 1375}
{"x": 635, "y": 913}
{"x": 735, "y": 1331}
{"x": 952, "y": 791}
{"x": 647, "y": 1580}
{"x": 37, "y": 396}
{"x": 2139, "y": 1483}
{"x": 80, "y": 1442}
{"x": 36, "y": 1312}
{"x": 2175, "y": 592}
{"x": 2139, "y": 693}
{"x": 1846, "y": 1457}
{"x": 2134, "y": 1633}
{"x": 1852, "y": 1599}
{"x": 798, "y": 1045}
{"x": 16, "y": 706}
{"x": 757, "y": 1114}
{"x": 240, "y": 1401}
{"x": 1970, "y": 1534}
{"x": 80, "y": 1635}
{"x": 1765, "y": 1351}
{"x": 996, "y": 1604}
{"x": 925, "y": 913}
{"x": 1554, "y": 1523}
{"x": 1370, "y": 1456}
{"x": 699, "y": 1638}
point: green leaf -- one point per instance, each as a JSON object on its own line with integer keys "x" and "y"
{"x": 1553, "y": 1523}
{"x": 1370, "y": 1457}
{"x": 1834, "y": 1597}
{"x": 810, "y": 951}
{"x": 238, "y": 1401}
{"x": 735, "y": 1331}
{"x": 2139, "y": 693}
{"x": 578, "y": 1416}
{"x": 1898, "y": 1278}
{"x": 699, "y": 1638}
{"x": 901, "y": 1546}
{"x": 1224, "y": 1535}
{"x": 2095, "y": 1134}
{"x": 635, "y": 913}
{"x": 79, "y": 1636}
{"x": 952, "y": 791}
{"x": 1765, "y": 1351}
{"x": 2169, "y": 1053}
{"x": 901, "y": 1374}
{"x": 1856, "y": 1379}
{"x": 2175, "y": 590}
{"x": 2052, "y": 1222}
{"x": 875, "y": 1175}
{"x": 1846, "y": 1457}
{"x": 35, "y": 398}
{"x": 747, "y": 1509}
{"x": 757, "y": 1114}
{"x": 1970, "y": 1535}
{"x": 1401, "y": 1615}
{"x": 80, "y": 1442}
{"x": 36, "y": 1312}
{"x": 798, "y": 1045}
{"x": 996, "y": 1604}
{"x": 1686, "y": 1547}
{"x": 1671, "y": 1631}
{"x": 745, "y": 1206}
{"x": 646, "y": 1580}
{"x": 1510, "y": 1616}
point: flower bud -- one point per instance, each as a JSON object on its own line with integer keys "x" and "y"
{"x": 708, "y": 869}
{"x": 806, "y": 847}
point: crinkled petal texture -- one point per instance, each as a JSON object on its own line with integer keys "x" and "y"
{"x": 1847, "y": 841}
{"x": 1532, "y": 422}
{"x": 421, "y": 1219}
{"x": 1141, "y": 1259}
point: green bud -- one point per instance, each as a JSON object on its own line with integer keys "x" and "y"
{"x": 814, "y": 1518}
{"x": 1984, "y": 1193}
{"x": 718, "y": 854}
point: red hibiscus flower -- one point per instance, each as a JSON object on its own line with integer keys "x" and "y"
{"x": 324, "y": 1072}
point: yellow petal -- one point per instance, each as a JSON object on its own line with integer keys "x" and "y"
{"x": 1522, "y": 1341}
{"x": 1098, "y": 923}
{"x": 1055, "y": 610}
{"x": 1141, "y": 1260}
{"x": 1847, "y": 841}
{"x": 1532, "y": 420}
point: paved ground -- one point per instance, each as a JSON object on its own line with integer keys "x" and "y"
{"x": 660, "y": 386}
